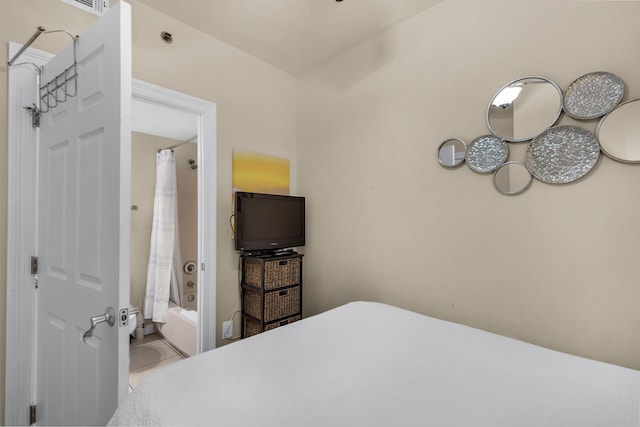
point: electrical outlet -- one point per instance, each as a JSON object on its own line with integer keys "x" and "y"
{"x": 227, "y": 329}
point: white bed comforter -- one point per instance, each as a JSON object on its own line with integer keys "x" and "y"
{"x": 370, "y": 364}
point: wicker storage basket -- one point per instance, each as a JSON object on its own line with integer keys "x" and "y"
{"x": 271, "y": 291}
{"x": 277, "y": 304}
{"x": 272, "y": 274}
{"x": 254, "y": 327}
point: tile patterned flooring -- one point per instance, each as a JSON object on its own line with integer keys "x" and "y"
{"x": 147, "y": 356}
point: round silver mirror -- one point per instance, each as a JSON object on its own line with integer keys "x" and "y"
{"x": 619, "y": 133}
{"x": 512, "y": 178}
{"x": 486, "y": 153}
{"x": 451, "y": 152}
{"x": 524, "y": 108}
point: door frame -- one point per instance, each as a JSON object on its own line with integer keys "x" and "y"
{"x": 20, "y": 361}
{"x": 21, "y": 239}
{"x": 206, "y": 123}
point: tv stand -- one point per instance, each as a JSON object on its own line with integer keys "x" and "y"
{"x": 268, "y": 253}
{"x": 271, "y": 290}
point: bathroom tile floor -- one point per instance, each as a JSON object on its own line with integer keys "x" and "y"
{"x": 147, "y": 356}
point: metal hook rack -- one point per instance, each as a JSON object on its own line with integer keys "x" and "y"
{"x": 57, "y": 90}
{"x": 60, "y": 88}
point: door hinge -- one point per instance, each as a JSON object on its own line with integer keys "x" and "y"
{"x": 35, "y": 115}
{"x": 32, "y": 414}
{"x": 34, "y": 265}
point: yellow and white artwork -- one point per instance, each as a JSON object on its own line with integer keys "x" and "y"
{"x": 260, "y": 173}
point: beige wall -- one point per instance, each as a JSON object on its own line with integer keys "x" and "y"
{"x": 187, "y": 184}
{"x": 255, "y": 107}
{"x": 557, "y": 265}
{"x": 256, "y": 111}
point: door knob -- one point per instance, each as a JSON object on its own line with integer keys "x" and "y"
{"x": 109, "y": 317}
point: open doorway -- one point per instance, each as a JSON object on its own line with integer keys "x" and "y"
{"x": 175, "y": 115}
{"x": 154, "y": 345}
{"x": 157, "y": 127}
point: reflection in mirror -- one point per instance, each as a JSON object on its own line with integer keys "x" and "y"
{"x": 451, "y": 152}
{"x": 619, "y": 133}
{"x": 512, "y": 178}
{"x": 524, "y": 108}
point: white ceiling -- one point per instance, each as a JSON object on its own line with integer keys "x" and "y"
{"x": 293, "y": 35}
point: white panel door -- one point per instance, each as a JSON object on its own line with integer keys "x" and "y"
{"x": 83, "y": 229}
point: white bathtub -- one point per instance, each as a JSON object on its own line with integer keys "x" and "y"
{"x": 181, "y": 328}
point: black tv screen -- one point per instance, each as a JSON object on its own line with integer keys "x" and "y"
{"x": 268, "y": 221}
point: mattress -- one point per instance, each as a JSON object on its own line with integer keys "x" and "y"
{"x": 371, "y": 364}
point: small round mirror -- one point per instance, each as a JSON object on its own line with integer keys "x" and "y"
{"x": 524, "y": 108}
{"x": 512, "y": 178}
{"x": 451, "y": 152}
{"x": 619, "y": 133}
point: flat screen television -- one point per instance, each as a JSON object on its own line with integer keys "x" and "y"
{"x": 268, "y": 222}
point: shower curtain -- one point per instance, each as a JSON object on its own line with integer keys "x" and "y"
{"x": 163, "y": 271}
